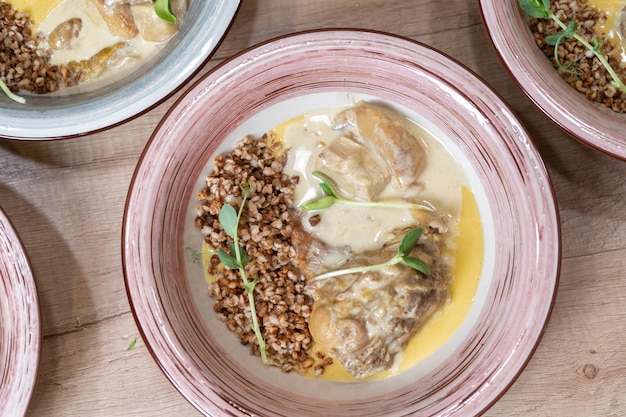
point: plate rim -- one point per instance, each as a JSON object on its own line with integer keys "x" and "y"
{"x": 30, "y": 350}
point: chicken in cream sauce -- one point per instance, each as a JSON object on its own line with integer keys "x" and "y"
{"x": 97, "y": 38}
{"x": 365, "y": 319}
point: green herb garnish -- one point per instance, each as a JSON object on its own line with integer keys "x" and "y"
{"x": 540, "y": 9}
{"x": 331, "y": 197}
{"x": 11, "y": 94}
{"x": 163, "y": 9}
{"x": 403, "y": 256}
{"x": 238, "y": 259}
{"x": 196, "y": 255}
{"x": 132, "y": 345}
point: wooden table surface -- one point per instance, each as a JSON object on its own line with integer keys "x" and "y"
{"x": 66, "y": 200}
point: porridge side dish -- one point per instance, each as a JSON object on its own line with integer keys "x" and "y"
{"x": 602, "y": 23}
{"x": 51, "y": 44}
{"x": 334, "y": 239}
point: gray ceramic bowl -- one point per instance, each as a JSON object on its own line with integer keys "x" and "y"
{"x": 97, "y": 106}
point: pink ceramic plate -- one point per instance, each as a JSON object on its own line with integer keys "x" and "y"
{"x": 20, "y": 334}
{"x": 286, "y": 77}
{"x": 597, "y": 127}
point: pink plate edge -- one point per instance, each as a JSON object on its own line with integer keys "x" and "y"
{"x": 20, "y": 360}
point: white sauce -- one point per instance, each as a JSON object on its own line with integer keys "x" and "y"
{"x": 365, "y": 229}
{"x": 93, "y": 37}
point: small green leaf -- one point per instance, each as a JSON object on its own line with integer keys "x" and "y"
{"x": 555, "y": 39}
{"x": 196, "y": 255}
{"x": 326, "y": 185}
{"x": 328, "y": 190}
{"x": 132, "y": 344}
{"x": 571, "y": 29}
{"x": 244, "y": 257}
{"x": 409, "y": 241}
{"x": 319, "y": 204}
{"x": 536, "y": 8}
{"x": 597, "y": 46}
{"x": 163, "y": 9}
{"x": 417, "y": 264}
{"x": 228, "y": 260}
{"x": 242, "y": 253}
{"x": 229, "y": 220}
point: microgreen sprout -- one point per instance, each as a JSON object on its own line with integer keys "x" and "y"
{"x": 403, "y": 256}
{"x": 540, "y": 9}
{"x": 331, "y": 197}
{"x": 238, "y": 259}
{"x": 11, "y": 94}
{"x": 132, "y": 345}
{"x": 196, "y": 255}
{"x": 163, "y": 9}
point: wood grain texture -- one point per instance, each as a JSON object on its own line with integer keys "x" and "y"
{"x": 66, "y": 200}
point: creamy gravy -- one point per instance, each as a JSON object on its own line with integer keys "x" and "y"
{"x": 442, "y": 184}
{"x": 94, "y": 35}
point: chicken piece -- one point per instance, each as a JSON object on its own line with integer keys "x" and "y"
{"x": 313, "y": 256}
{"x": 61, "y": 36}
{"x": 118, "y": 18}
{"x": 337, "y": 334}
{"x": 97, "y": 63}
{"x": 151, "y": 27}
{"x": 365, "y": 320}
{"x": 398, "y": 148}
{"x": 353, "y": 168}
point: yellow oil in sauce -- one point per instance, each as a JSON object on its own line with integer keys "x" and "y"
{"x": 38, "y": 9}
{"x": 613, "y": 10}
{"x": 466, "y": 270}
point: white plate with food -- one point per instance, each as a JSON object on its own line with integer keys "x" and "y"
{"x": 93, "y": 64}
{"x": 388, "y": 210}
{"x": 20, "y": 332}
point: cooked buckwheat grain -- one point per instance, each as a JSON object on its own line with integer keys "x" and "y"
{"x": 265, "y": 231}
